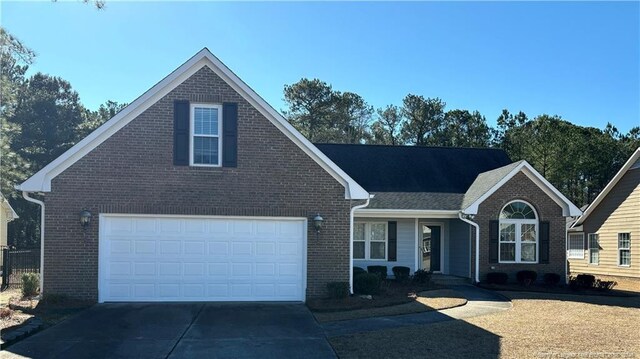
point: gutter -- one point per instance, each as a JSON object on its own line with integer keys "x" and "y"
{"x": 351, "y": 215}
{"x": 475, "y": 225}
{"x": 25, "y": 194}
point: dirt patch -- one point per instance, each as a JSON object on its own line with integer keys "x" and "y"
{"x": 539, "y": 325}
{"x": 425, "y": 301}
{"x": 541, "y": 288}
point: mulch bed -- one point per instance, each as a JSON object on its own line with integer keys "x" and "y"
{"x": 392, "y": 293}
{"x": 559, "y": 289}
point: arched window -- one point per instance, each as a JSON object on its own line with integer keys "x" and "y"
{"x": 518, "y": 233}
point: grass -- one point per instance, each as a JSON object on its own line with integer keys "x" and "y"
{"x": 540, "y": 325}
{"x": 425, "y": 301}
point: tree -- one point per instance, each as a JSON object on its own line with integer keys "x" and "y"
{"x": 423, "y": 118}
{"x": 462, "y": 128}
{"x": 352, "y": 117}
{"x": 95, "y": 119}
{"x": 386, "y": 129}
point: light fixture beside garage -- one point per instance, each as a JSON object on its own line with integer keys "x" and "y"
{"x": 317, "y": 224}
{"x": 85, "y": 218}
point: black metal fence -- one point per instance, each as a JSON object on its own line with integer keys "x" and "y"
{"x": 16, "y": 262}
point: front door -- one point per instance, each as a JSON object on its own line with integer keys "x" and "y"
{"x": 430, "y": 247}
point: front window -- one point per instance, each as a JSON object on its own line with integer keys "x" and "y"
{"x": 575, "y": 246}
{"x": 624, "y": 249}
{"x": 370, "y": 241}
{"x": 518, "y": 233}
{"x": 206, "y": 126}
{"x": 594, "y": 249}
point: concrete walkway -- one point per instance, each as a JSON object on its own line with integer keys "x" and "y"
{"x": 480, "y": 302}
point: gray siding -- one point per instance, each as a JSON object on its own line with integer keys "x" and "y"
{"x": 459, "y": 247}
{"x": 406, "y": 246}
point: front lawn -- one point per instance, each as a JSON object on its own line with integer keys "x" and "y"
{"x": 540, "y": 325}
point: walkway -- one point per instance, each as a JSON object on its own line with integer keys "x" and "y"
{"x": 480, "y": 302}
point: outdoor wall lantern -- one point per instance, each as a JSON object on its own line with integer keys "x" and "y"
{"x": 317, "y": 224}
{"x": 85, "y": 218}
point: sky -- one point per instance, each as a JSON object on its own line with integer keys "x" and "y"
{"x": 579, "y": 60}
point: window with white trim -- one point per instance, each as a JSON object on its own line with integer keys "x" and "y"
{"x": 518, "y": 240}
{"x": 594, "y": 248}
{"x": 575, "y": 246}
{"x": 624, "y": 249}
{"x": 205, "y": 142}
{"x": 370, "y": 240}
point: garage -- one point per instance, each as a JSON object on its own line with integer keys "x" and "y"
{"x": 181, "y": 258}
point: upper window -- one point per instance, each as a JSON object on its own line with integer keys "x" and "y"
{"x": 518, "y": 233}
{"x": 624, "y": 249}
{"x": 370, "y": 241}
{"x": 575, "y": 245}
{"x": 206, "y": 127}
{"x": 594, "y": 248}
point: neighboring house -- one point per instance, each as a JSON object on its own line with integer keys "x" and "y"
{"x": 199, "y": 190}
{"x": 605, "y": 240}
{"x": 7, "y": 214}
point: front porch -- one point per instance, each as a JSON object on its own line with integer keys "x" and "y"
{"x": 441, "y": 245}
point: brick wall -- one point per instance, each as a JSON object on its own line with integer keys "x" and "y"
{"x": 133, "y": 172}
{"x": 521, "y": 187}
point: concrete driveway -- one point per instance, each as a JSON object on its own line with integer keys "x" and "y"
{"x": 181, "y": 330}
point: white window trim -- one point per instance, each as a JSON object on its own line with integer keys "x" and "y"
{"x": 581, "y": 256}
{"x": 518, "y": 242}
{"x": 590, "y": 249}
{"x": 367, "y": 242}
{"x": 192, "y": 133}
{"x": 624, "y": 249}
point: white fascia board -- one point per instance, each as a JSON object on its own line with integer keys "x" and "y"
{"x": 630, "y": 164}
{"x": 41, "y": 181}
{"x": 568, "y": 208}
{"x": 405, "y": 213}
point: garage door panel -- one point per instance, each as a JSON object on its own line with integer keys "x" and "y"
{"x": 189, "y": 259}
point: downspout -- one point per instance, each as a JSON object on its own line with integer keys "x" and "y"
{"x": 475, "y": 225}
{"x": 25, "y": 194}
{"x": 351, "y": 214}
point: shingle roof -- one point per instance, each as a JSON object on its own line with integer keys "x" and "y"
{"x": 380, "y": 168}
{"x": 485, "y": 181}
{"x": 416, "y": 200}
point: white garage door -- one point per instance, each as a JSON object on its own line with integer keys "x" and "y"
{"x": 163, "y": 258}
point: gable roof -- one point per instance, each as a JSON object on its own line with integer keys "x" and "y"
{"x": 7, "y": 207}
{"x": 632, "y": 163}
{"x": 382, "y": 168}
{"x": 488, "y": 183}
{"x": 41, "y": 181}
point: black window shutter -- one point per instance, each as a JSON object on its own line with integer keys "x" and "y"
{"x": 493, "y": 242}
{"x": 181, "y": 133}
{"x": 230, "y": 134}
{"x": 544, "y": 242}
{"x": 393, "y": 241}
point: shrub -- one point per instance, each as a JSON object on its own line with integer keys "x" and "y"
{"x": 422, "y": 276}
{"x": 497, "y": 278}
{"x": 526, "y": 277}
{"x": 30, "y": 283}
{"x": 585, "y": 281}
{"x": 358, "y": 270}
{"x": 367, "y": 283}
{"x": 604, "y": 285}
{"x": 551, "y": 278}
{"x": 401, "y": 273}
{"x": 381, "y": 271}
{"x": 338, "y": 290}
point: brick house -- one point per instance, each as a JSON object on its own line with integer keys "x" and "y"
{"x": 199, "y": 190}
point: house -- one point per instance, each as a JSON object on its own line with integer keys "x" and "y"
{"x": 7, "y": 214}
{"x": 605, "y": 240}
{"x": 201, "y": 191}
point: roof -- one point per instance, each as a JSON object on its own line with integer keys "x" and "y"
{"x": 416, "y": 200}
{"x": 632, "y": 163}
{"x": 485, "y": 181}
{"x": 41, "y": 181}
{"x": 5, "y": 203}
{"x": 382, "y": 168}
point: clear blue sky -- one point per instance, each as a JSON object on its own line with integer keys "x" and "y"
{"x": 577, "y": 60}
